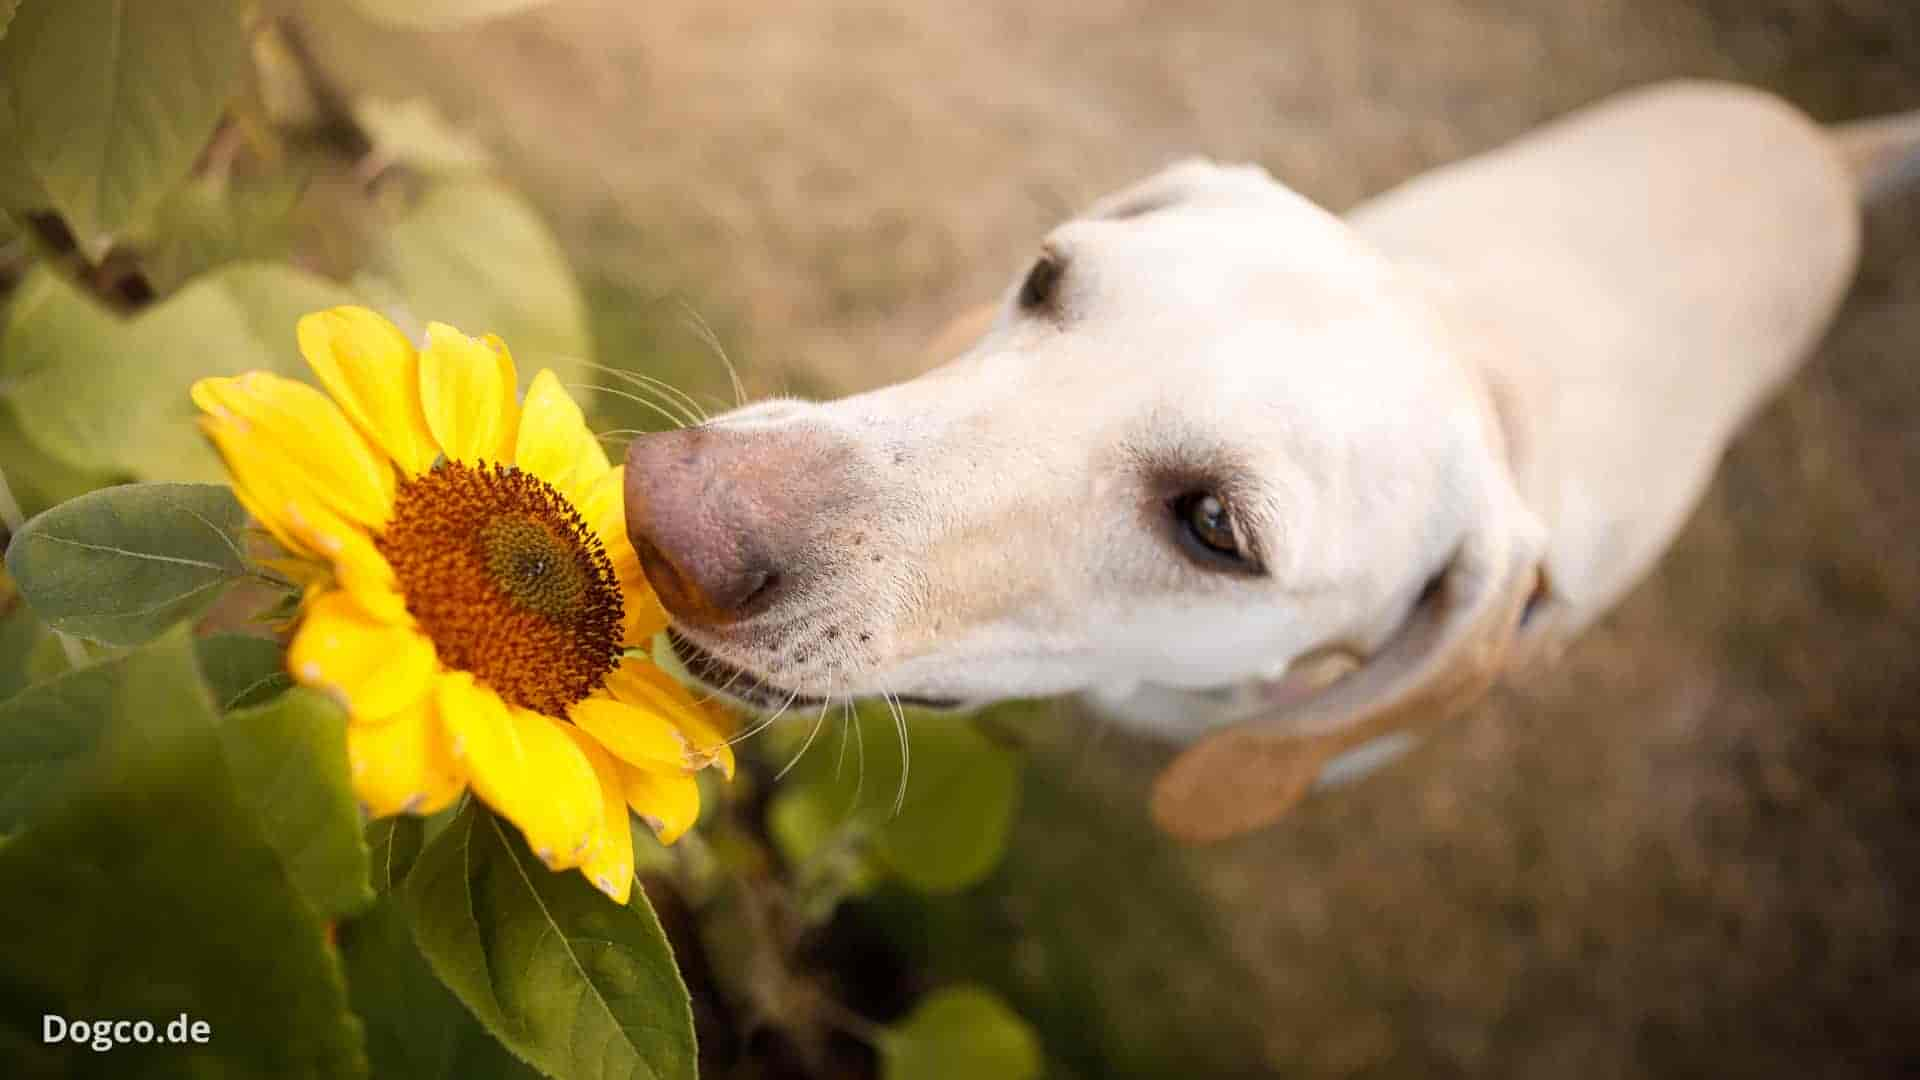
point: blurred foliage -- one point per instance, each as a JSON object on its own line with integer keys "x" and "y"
{"x": 956, "y": 788}
{"x": 146, "y": 885}
{"x": 112, "y": 102}
{"x": 960, "y": 1033}
{"x": 178, "y": 184}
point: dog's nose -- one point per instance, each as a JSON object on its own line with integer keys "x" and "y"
{"x": 722, "y": 518}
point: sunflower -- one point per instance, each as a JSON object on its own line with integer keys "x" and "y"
{"x": 471, "y": 595}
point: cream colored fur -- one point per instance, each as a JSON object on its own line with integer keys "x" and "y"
{"x": 1496, "y": 390}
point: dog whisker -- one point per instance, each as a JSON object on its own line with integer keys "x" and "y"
{"x": 840, "y": 758}
{"x": 677, "y": 421}
{"x": 662, "y": 393}
{"x": 765, "y": 722}
{"x": 669, "y": 392}
{"x": 811, "y": 734}
{"x": 712, "y": 340}
{"x": 850, "y": 718}
{"x": 906, "y": 757}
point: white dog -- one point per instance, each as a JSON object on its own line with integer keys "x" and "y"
{"x": 1217, "y": 442}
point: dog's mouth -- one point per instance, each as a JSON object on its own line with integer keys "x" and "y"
{"x": 752, "y": 688}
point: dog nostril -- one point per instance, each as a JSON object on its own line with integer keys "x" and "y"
{"x": 758, "y": 588}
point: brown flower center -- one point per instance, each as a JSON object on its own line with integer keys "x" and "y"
{"x": 508, "y": 581}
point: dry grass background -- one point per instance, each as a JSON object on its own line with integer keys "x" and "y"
{"x": 1690, "y": 849}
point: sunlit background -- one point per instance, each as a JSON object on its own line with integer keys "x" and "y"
{"x": 1689, "y": 849}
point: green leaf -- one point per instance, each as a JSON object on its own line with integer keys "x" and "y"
{"x": 830, "y": 851}
{"x": 7, "y": 8}
{"x": 960, "y": 798}
{"x": 130, "y": 411}
{"x": 148, "y": 892}
{"x": 37, "y": 479}
{"x": 415, "y": 1028}
{"x": 122, "y": 564}
{"x": 114, "y": 100}
{"x": 19, "y": 188}
{"x": 475, "y": 255}
{"x": 393, "y": 843}
{"x": 241, "y": 669}
{"x": 54, "y": 332}
{"x": 29, "y": 652}
{"x": 46, "y": 732}
{"x": 207, "y": 223}
{"x": 960, "y": 1033}
{"x": 289, "y": 762}
{"x": 440, "y": 14}
{"x": 287, "y": 759}
{"x": 572, "y": 983}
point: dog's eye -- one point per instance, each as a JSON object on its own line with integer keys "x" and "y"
{"x": 1042, "y": 282}
{"x": 1206, "y": 522}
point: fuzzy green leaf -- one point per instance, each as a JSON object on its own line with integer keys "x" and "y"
{"x": 574, "y": 984}
{"x": 289, "y": 762}
{"x": 111, "y": 395}
{"x": 147, "y": 891}
{"x": 393, "y": 843}
{"x": 29, "y": 652}
{"x": 475, "y": 255}
{"x": 114, "y": 100}
{"x": 122, "y": 564}
{"x": 38, "y": 479}
{"x": 242, "y": 670}
{"x": 19, "y": 188}
{"x": 416, "y": 1028}
{"x": 960, "y": 1033}
{"x": 46, "y": 732}
{"x": 960, "y": 797}
{"x": 205, "y": 224}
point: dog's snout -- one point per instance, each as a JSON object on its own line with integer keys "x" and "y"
{"x": 723, "y": 519}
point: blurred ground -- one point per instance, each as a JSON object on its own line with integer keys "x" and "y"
{"x": 1690, "y": 849}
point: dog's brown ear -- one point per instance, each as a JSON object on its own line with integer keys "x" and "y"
{"x": 1445, "y": 655}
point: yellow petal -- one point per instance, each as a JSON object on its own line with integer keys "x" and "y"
{"x": 404, "y": 764}
{"x": 610, "y": 867}
{"x": 641, "y": 616}
{"x": 554, "y": 443}
{"x": 637, "y": 736}
{"x": 603, "y": 505}
{"x": 467, "y": 388}
{"x": 646, "y": 686}
{"x": 525, "y": 768}
{"x": 357, "y": 565}
{"x": 360, "y": 569}
{"x": 669, "y": 802}
{"x": 374, "y": 668}
{"x": 370, "y": 368}
{"x": 267, "y": 509}
{"x": 292, "y": 437}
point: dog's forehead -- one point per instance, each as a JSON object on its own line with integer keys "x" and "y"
{"x": 1202, "y": 268}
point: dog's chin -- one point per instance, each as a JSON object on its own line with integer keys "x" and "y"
{"x": 756, "y": 690}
